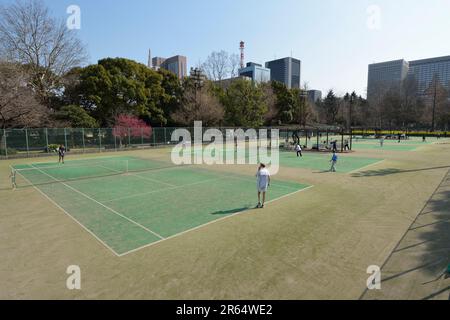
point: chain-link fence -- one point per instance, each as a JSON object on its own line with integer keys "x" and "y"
{"x": 16, "y": 143}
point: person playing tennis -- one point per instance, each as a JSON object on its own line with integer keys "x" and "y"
{"x": 333, "y": 161}
{"x": 61, "y": 153}
{"x": 263, "y": 183}
{"x": 298, "y": 149}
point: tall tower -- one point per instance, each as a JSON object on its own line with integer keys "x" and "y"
{"x": 242, "y": 47}
{"x": 149, "y": 64}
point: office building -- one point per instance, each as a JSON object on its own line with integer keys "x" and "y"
{"x": 423, "y": 71}
{"x": 157, "y": 62}
{"x": 390, "y": 75}
{"x": 286, "y": 70}
{"x": 314, "y": 95}
{"x": 256, "y": 72}
{"x": 384, "y": 76}
{"x": 177, "y": 65}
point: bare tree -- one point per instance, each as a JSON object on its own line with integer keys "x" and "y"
{"x": 437, "y": 96}
{"x": 30, "y": 36}
{"x": 18, "y": 105}
{"x": 199, "y": 105}
{"x": 235, "y": 64}
{"x": 217, "y": 65}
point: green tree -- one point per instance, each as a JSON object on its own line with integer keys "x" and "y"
{"x": 116, "y": 86}
{"x": 285, "y": 102}
{"x": 244, "y": 104}
{"x": 330, "y": 108}
{"x": 77, "y": 117}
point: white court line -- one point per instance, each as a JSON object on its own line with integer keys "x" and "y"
{"x": 208, "y": 223}
{"x": 161, "y": 190}
{"x": 161, "y": 238}
{"x": 152, "y": 180}
{"x": 71, "y": 217}
{"x": 110, "y": 209}
{"x": 365, "y": 167}
{"x": 138, "y": 176}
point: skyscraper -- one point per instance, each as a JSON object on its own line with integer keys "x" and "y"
{"x": 387, "y": 75}
{"x": 157, "y": 61}
{"x": 286, "y": 70}
{"x": 177, "y": 65}
{"x": 423, "y": 71}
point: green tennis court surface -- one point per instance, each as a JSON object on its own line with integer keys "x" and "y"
{"x": 386, "y": 146}
{"x": 128, "y": 203}
{"x": 318, "y": 161}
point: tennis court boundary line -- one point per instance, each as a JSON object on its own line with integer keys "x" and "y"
{"x": 105, "y": 206}
{"x": 365, "y": 167}
{"x": 208, "y": 223}
{"x": 72, "y": 217}
{"x": 134, "y": 222}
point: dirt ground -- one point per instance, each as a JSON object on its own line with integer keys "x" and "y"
{"x": 316, "y": 244}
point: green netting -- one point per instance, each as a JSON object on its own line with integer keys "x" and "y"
{"x": 132, "y": 210}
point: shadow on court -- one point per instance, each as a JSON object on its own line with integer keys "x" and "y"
{"x": 231, "y": 211}
{"x": 418, "y": 268}
{"x": 390, "y": 171}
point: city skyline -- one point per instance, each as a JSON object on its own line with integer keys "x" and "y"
{"x": 335, "y": 42}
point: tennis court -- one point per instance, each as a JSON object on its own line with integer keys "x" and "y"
{"x": 310, "y": 160}
{"x": 128, "y": 203}
{"x": 321, "y": 162}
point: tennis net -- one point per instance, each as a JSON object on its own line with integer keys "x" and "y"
{"x": 38, "y": 174}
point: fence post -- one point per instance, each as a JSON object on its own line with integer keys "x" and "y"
{"x": 6, "y": 144}
{"x": 26, "y": 139}
{"x": 129, "y": 137}
{"x": 142, "y": 136}
{"x": 46, "y": 140}
{"x": 115, "y": 141}
{"x": 65, "y": 138}
{"x": 165, "y": 135}
{"x": 82, "y": 135}
{"x": 351, "y": 139}
{"x": 100, "y": 139}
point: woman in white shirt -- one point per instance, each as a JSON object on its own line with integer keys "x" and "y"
{"x": 263, "y": 183}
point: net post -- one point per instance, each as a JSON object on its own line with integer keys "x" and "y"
{"x": 13, "y": 178}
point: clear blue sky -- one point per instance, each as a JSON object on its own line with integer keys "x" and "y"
{"x": 331, "y": 37}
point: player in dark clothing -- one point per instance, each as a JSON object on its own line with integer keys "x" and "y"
{"x": 61, "y": 153}
{"x": 334, "y": 145}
